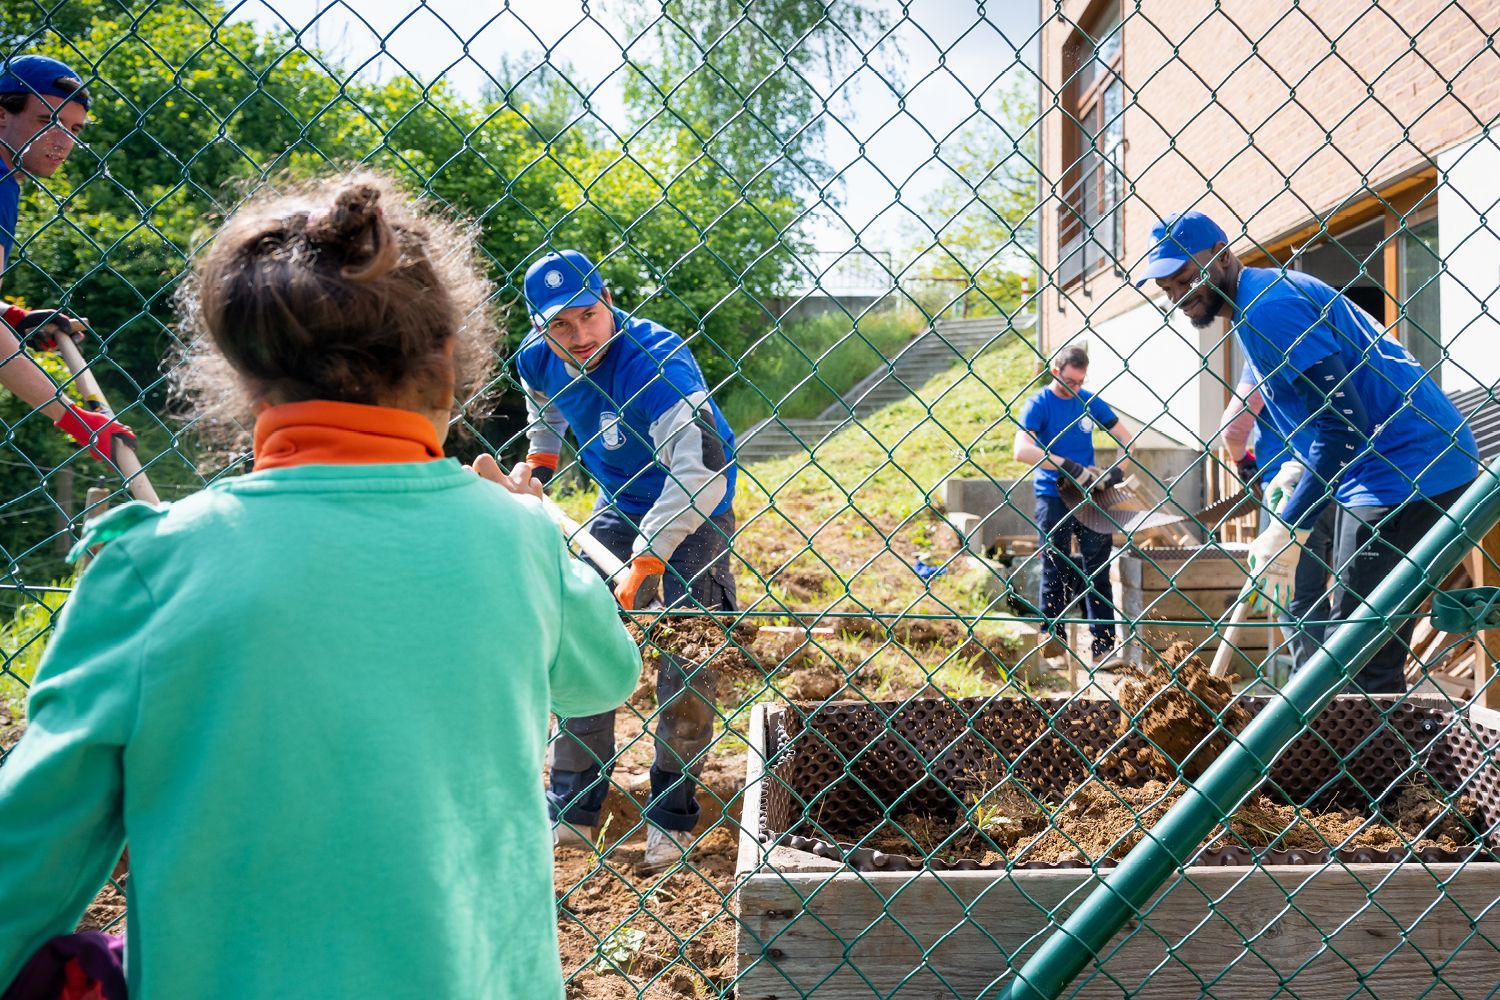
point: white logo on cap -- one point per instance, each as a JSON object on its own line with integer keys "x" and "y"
{"x": 553, "y": 279}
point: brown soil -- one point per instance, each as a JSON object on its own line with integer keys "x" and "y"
{"x": 1100, "y": 820}
{"x": 1176, "y": 707}
{"x": 1173, "y": 708}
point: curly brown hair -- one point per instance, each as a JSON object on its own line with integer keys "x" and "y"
{"x": 345, "y": 289}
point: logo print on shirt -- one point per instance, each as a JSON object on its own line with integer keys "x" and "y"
{"x": 553, "y": 279}
{"x": 609, "y": 430}
{"x": 1086, "y": 425}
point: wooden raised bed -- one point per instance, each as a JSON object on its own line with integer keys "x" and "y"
{"x": 1189, "y": 591}
{"x": 813, "y": 925}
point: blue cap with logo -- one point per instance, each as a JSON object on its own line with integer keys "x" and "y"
{"x": 561, "y": 281}
{"x": 40, "y": 75}
{"x": 1174, "y": 241}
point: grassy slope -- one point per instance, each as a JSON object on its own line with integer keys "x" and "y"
{"x": 864, "y": 500}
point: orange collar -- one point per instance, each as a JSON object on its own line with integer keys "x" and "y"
{"x": 320, "y": 432}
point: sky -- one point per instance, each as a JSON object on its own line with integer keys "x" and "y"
{"x": 943, "y": 52}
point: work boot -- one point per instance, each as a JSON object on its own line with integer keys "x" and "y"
{"x": 574, "y": 838}
{"x": 665, "y": 848}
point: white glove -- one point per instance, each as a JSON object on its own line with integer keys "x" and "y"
{"x": 1273, "y": 565}
{"x": 1282, "y": 485}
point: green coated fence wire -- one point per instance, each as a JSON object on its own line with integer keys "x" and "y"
{"x": 1100, "y": 603}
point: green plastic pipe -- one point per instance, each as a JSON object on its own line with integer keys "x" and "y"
{"x": 1127, "y": 889}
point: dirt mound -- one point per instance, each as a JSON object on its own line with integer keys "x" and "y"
{"x": 1186, "y": 713}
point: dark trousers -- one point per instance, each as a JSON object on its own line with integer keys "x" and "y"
{"x": 583, "y": 750}
{"x": 1370, "y": 543}
{"x": 1066, "y": 578}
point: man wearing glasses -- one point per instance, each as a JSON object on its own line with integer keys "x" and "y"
{"x": 1056, "y": 438}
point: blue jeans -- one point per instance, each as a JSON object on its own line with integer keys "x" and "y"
{"x": 583, "y": 749}
{"x": 1066, "y": 579}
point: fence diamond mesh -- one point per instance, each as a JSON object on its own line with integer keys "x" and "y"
{"x": 1104, "y": 600}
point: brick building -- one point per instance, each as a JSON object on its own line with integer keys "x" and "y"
{"x": 1340, "y": 138}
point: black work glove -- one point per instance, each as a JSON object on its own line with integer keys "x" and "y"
{"x": 1083, "y": 476}
{"x": 1112, "y": 477}
{"x": 38, "y": 329}
{"x": 1247, "y": 468}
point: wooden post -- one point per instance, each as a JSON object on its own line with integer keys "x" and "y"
{"x": 62, "y": 495}
{"x": 1484, "y": 571}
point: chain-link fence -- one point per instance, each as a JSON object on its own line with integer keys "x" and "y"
{"x": 1103, "y": 603}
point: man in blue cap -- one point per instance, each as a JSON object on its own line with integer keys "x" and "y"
{"x": 1370, "y": 428}
{"x": 43, "y": 108}
{"x": 651, "y": 436}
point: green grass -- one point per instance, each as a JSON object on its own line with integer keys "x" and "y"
{"x": 22, "y": 641}
{"x": 895, "y": 461}
{"x": 803, "y": 367}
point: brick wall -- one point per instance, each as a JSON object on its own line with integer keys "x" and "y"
{"x": 1268, "y": 119}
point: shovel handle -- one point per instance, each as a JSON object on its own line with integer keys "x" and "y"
{"x": 123, "y": 450}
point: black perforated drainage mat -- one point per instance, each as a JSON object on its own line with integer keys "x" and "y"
{"x": 841, "y": 768}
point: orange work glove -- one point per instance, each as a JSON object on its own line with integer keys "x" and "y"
{"x": 94, "y": 431}
{"x": 641, "y": 583}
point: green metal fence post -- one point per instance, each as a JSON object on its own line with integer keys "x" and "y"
{"x": 1242, "y": 767}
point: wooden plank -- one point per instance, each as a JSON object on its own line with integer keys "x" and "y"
{"x": 1484, "y": 570}
{"x": 1201, "y": 571}
{"x": 752, "y": 853}
{"x": 1313, "y": 932}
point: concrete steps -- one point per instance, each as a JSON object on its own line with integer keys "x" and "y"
{"x": 935, "y": 350}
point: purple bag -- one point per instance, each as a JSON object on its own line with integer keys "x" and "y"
{"x": 85, "y": 966}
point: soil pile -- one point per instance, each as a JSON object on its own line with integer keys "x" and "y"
{"x": 1185, "y": 713}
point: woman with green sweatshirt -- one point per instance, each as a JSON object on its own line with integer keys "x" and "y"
{"x": 314, "y": 699}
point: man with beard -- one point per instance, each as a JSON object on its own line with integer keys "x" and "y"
{"x": 1379, "y": 435}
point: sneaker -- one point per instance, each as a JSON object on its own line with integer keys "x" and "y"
{"x": 666, "y": 848}
{"x": 574, "y": 838}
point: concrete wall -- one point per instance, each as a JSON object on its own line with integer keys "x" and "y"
{"x": 1161, "y": 372}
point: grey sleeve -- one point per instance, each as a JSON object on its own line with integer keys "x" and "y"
{"x": 545, "y": 424}
{"x": 687, "y": 442}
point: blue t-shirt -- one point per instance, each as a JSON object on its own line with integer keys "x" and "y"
{"x": 1419, "y": 444}
{"x": 1271, "y": 449}
{"x": 646, "y": 371}
{"x": 10, "y": 212}
{"x": 1065, "y": 429}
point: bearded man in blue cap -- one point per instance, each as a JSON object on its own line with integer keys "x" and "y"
{"x": 1371, "y": 429}
{"x": 43, "y": 108}
{"x": 651, "y": 436}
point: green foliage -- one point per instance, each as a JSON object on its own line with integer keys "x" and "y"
{"x": 33, "y": 454}
{"x": 984, "y": 218}
{"x": 800, "y": 368}
{"x": 23, "y": 639}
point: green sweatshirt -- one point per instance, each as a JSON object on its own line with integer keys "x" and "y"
{"x": 314, "y": 701}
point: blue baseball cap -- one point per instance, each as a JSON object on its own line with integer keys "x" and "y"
{"x": 1174, "y": 241}
{"x": 39, "y": 75}
{"x": 561, "y": 281}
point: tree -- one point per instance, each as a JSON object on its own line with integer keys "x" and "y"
{"x": 983, "y": 220}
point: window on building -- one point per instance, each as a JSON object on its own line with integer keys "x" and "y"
{"x": 1420, "y": 265}
{"x": 1090, "y": 222}
{"x": 1351, "y": 261}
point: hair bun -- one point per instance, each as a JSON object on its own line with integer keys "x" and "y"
{"x": 354, "y": 229}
